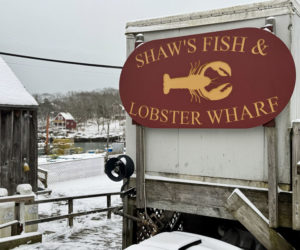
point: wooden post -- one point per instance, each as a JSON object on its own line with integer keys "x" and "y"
{"x": 256, "y": 223}
{"x": 70, "y": 210}
{"x": 15, "y": 241}
{"x": 22, "y": 214}
{"x": 140, "y": 151}
{"x": 33, "y": 150}
{"x": 1, "y": 145}
{"x": 108, "y": 203}
{"x": 14, "y": 228}
{"x": 129, "y": 226}
{"x": 140, "y": 167}
{"x": 296, "y": 175}
{"x": 272, "y": 176}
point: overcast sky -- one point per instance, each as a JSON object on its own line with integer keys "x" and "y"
{"x": 90, "y": 31}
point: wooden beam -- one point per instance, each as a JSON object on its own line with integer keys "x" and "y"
{"x": 129, "y": 226}
{"x": 70, "y": 211}
{"x": 247, "y": 214}
{"x": 140, "y": 167}
{"x": 75, "y": 197}
{"x": 15, "y": 241}
{"x": 33, "y": 150}
{"x": 1, "y": 146}
{"x": 67, "y": 216}
{"x": 272, "y": 176}
{"x": 18, "y": 198}
{"x": 208, "y": 199}
{"x": 8, "y": 224}
{"x": 108, "y": 204}
{"x": 296, "y": 175}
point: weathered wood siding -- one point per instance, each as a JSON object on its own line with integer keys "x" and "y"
{"x": 18, "y": 143}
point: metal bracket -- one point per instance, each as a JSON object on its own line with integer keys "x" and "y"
{"x": 131, "y": 192}
{"x": 270, "y": 24}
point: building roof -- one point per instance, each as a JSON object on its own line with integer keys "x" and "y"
{"x": 231, "y": 14}
{"x": 12, "y": 91}
{"x": 66, "y": 115}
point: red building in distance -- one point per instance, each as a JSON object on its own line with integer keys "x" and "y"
{"x": 64, "y": 120}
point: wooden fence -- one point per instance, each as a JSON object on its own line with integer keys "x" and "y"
{"x": 43, "y": 176}
{"x": 71, "y": 214}
{"x": 23, "y": 200}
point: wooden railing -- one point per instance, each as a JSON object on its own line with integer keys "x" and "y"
{"x": 9, "y": 224}
{"x": 43, "y": 179}
{"x": 71, "y": 214}
{"x": 23, "y": 200}
{"x": 20, "y": 210}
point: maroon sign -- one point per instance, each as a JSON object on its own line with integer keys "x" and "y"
{"x": 238, "y": 78}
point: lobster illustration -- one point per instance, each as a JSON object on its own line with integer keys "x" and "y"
{"x": 201, "y": 85}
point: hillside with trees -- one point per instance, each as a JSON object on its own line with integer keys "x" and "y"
{"x": 96, "y": 105}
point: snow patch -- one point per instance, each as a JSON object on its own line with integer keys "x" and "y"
{"x": 249, "y": 203}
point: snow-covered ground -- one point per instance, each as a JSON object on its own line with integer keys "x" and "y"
{"x": 70, "y": 167}
{"x": 44, "y": 159}
{"x": 116, "y": 128}
{"x": 93, "y": 231}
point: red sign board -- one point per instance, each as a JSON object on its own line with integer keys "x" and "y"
{"x": 237, "y": 78}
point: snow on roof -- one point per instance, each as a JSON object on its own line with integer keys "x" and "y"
{"x": 12, "y": 91}
{"x": 66, "y": 115}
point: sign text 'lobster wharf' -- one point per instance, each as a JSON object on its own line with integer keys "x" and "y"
{"x": 229, "y": 79}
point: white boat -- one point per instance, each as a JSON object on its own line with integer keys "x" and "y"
{"x": 181, "y": 241}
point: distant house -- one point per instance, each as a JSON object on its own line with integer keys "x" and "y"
{"x": 64, "y": 120}
{"x": 119, "y": 112}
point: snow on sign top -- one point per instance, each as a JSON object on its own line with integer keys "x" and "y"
{"x": 12, "y": 91}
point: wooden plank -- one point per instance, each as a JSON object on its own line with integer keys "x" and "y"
{"x": 17, "y": 198}
{"x": 33, "y": 150}
{"x": 208, "y": 199}
{"x": 272, "y": 176}
{"x": 24, "y": 142}
{"x": 22, "y": 214}
{"x": 1, "y": 147}
{"x": 296, "y": 175}
{"x": 9, "y": 144}
{"x": 75, "y": 197}
{"x": 108, "y": 204}
{"x": 129, "y": 226}
{"x": 44, "y": 171}
{"x": 8, "y": 224}
{"x": 256, "y": 223}
{"x": 14, "y": 241}
{"x": 67, "y": 216}
{"x": 43, "y": 179}
{"x": 140, "y": 167}
{"x": 17, "y": 170}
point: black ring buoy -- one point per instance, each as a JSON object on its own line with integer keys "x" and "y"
{"x": 119, "y": 168}
{"x": 129, "y": 165}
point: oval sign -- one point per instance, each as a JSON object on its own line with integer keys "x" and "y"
{"x": 237, "y": 78}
